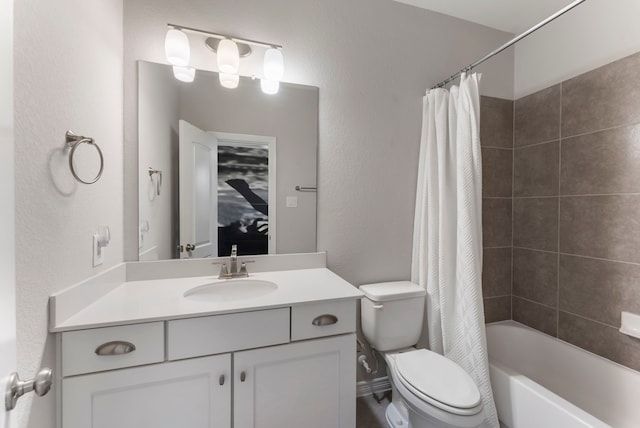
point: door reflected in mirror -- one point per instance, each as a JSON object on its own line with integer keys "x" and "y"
{"x": 216, "y": 180}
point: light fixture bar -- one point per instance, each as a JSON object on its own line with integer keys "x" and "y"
{"x": 222, "y": 36}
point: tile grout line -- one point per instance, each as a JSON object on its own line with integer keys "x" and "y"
{"x": 584, "y": 195}
{"x": 611, "y": 128}
{"x": 535, "y": 302}
{"x": 497, "y": 297}
{"x": 582, "y": 256}
{"x": 496, "y": 148}
{"x": 569, "y": 137}
{"x": 535, "y": 249}
{"x": 513, "y": 189}
{"x": 589, "y": 319}
{"x": 600, "y": 259}
{"x": 559, "y": 199}
{"x": 536, "y": 144}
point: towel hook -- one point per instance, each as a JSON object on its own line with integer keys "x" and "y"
{"x": 158, "y": 182}
{"x": 74, "y": 141}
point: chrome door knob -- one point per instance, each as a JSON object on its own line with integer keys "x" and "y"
{"x": 190, "y": 247}
{"x": 16, "y": 388}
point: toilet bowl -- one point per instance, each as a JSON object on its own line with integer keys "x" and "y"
{"x": 436, "y": 392}
{"x": 429, "y": 390}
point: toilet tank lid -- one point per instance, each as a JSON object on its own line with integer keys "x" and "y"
{"x": 396, "y": 290}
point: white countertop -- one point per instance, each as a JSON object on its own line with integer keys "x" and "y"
{"x": 163, "y": 299}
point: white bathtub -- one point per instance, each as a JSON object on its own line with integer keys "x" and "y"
{"x": 542, "y": 382}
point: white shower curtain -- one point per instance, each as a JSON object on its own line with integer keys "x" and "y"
{"x": 447, "y": 239}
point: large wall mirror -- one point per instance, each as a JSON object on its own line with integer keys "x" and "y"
{"x": 222, "y": 166}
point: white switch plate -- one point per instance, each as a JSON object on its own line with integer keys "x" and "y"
{"x": 98, "y": 253}
{"x": 292, "y": 202}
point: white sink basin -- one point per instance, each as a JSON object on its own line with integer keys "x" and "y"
{"x": 231, "y": 289}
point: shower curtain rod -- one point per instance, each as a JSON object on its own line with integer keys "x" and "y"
{"x": 510, "y": 43}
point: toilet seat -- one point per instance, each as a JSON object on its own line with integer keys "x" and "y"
{"x": 438, "y": 381}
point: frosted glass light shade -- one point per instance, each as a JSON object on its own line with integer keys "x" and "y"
{"x": 270, "y": 87}
{"x": 229, "y": 80}
{"x": 228, "y": 57}
{"x": 184, "y": 74}
{"x": 273, "y": 64}
{"x": 176, "y": 48}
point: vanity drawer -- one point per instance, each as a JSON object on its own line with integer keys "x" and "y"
{"x": 81, "y": 349}
{"x": 193, "y": 337}
{"x": 323, "y": 319}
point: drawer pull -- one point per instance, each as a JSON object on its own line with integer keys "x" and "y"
{"x": 221, "y": 380}
{"x": 117, "y": 347}
{"x": 326, "y": 319}
{"x": 243, "y": 376}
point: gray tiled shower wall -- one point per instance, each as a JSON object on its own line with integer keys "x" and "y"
{"x": 496, "y": 136}
{"x": 575, "y": 261}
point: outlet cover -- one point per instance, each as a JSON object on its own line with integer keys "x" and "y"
{"x": 292, "y": 202}
{"x": 98, "y": 252}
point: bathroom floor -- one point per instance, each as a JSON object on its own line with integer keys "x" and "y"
{"x": 370, "y": 413}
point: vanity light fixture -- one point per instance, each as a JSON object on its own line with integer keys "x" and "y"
{"x": 229, "y": 80}
{"x": 270, "y": 87}
{"x": 273, "y": 71}
{"x": 229, "y": 50}
{"x": 184, "y": 74}
{"x": 228, "y": 57}
{"x": 273, "y": 64}
{"x": 176, "y": 47}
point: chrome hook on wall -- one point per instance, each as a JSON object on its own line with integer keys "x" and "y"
{"x": 158, "y": 181}
{"x": 74, "y": 141}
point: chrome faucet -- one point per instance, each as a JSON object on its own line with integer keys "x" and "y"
{"x": 233, "y": 259}
{"x": 233, "y": 271}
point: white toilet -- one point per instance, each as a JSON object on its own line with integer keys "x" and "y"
{"x": 429, "y": 390}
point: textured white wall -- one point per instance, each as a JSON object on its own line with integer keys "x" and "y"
{"x": 68, "y": 62}
{"x": 7, "y": 216}
{"x": 594, "y": 34}
{"x": 372, "y": 60}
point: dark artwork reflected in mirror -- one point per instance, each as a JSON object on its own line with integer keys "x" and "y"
{"x": 243, "y": 192}
{"x": 245, "y": 153}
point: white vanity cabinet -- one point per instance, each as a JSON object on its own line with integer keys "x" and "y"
{"x": 307, "y": 384}
{"x": 281, "y": 367}
{"x": 192, "y": 393}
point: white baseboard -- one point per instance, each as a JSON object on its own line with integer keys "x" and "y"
{"x": 368, "y": 387}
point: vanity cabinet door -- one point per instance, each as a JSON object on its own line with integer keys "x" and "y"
{"x": 191, "y": 393}
{"x": 307, "y": 384}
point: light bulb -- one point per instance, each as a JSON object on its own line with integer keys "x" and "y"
{"x": 228, "y": 57}
{"x": 273, "y": 64}
{"x": 176, "y": 48}
{"x": 269, "y": 86}
{"x": 229, "y": 80}
{"x": 184, "y": 74}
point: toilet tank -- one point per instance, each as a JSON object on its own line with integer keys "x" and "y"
{"x": 392, "y": 314}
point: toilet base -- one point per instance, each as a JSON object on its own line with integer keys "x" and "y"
{"x": 395, "y": 419}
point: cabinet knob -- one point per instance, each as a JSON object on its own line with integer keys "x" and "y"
{"x": 117, "y": 347}
{"x": 326, "y": 319}
{"x": 221, "y": 380}
{"x": 243, "y": 376}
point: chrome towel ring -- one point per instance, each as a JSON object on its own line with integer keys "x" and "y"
{"x": 74, "y": 141}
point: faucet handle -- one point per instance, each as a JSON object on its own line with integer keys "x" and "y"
{"x": 223, "y": 269}
{"x": 243, "y": 268}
